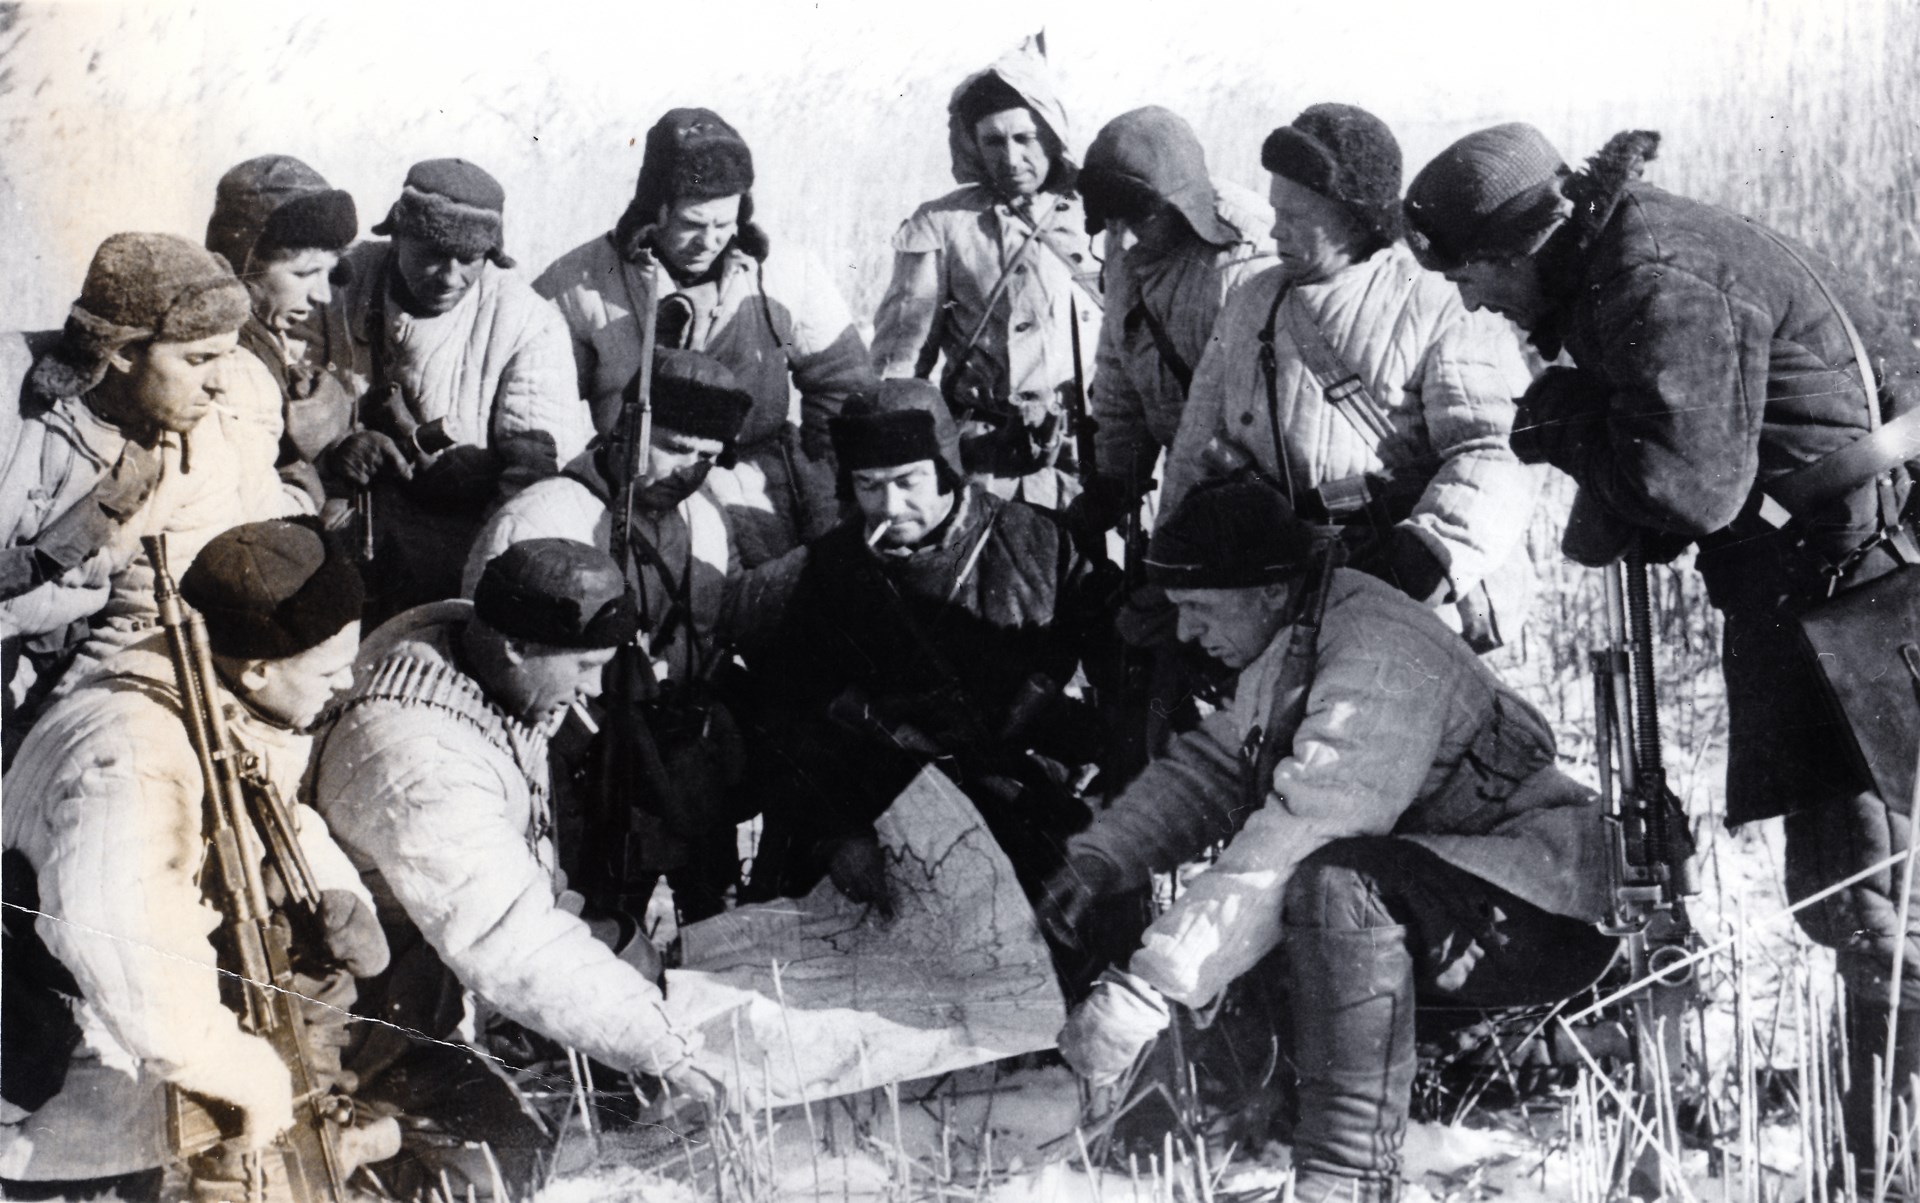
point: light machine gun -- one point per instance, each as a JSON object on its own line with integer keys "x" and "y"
{"x": 248, "y": 823}
{"x": 1651, "y": 868}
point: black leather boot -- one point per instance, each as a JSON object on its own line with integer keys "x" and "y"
{"x": 1353, "y": 1044}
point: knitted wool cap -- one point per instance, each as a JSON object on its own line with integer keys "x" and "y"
{"x": 269, "y": 590}
{"x": 140, "y": 287}
{"x": 1231, "y": 534}
{"x": 556, "y": 592}
{"x": 1492, "y": 194}
{"x": 454, "y": 206}
{"x": 904, "y": 421}
{"x": 1345, "y": 154}
{"x": 694, "y": 394}
{"x": 692, "y": 154}
{"x": 277, "y": 201}
{"x": 1151, "y": 154}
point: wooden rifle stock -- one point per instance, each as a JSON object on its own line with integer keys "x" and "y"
{"x": 246, "y": 818}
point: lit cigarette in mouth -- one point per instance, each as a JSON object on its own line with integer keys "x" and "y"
{"x": 585, "y": 716}
{"x": 873, "y": 540}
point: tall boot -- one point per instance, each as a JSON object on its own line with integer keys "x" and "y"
{"x": 1866, "y": 1044}
{"x": 1353, "y": 1047}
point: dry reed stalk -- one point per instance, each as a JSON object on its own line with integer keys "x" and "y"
{"x": 1629, "y": 1113}
{"x": 793, "y": 1053}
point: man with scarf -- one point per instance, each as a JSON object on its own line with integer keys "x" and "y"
{"x": 469, "y": 379}
{"x": 689, "y": 581}
{"x": 1715, "y": 396}
{"x": 987, "y": 280}
{"x": 688, "y": 245}
{"x": 939, "y": 626}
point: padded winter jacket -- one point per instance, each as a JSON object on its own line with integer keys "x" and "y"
{"x": 1446, "y": 377}
{"x": 106, "y": 802}
{"x": 495, "y": 368}
{"x": 1139, "y": 399}
{"x": 53, "y": 451}
{"x": 444, "y": 802}
{"x": 779, "y": 325}
{"x": 1405, "y": 732}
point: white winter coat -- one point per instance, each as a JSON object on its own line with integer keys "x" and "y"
{"x": 444, "y": 802}
{"x": 106, "y": 801}
{"x": 1446, "y": 377}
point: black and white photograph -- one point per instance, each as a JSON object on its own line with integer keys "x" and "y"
{"x": 1021, "y": 600}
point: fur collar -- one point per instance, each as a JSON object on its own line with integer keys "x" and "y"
{"x": 1596, "y": 194}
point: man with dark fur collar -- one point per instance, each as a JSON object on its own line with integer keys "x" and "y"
{"x": 938, "y": 626}
{"x": 1711, "y": 364}
{"x": 772, "y": 316}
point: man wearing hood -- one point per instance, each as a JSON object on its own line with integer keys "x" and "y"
{"x": 688, "y": 581}
{"x": 133, "y": 420}
{"x": 689, "y": 245}
{"x": 1715, "y": 396}
{"x": 469, "y": 377}
{"x": 1359, "y": 385}
{"x": 986, "y": 280}
{"x": 1179, "y": 245}
{"x": 282, "y": 229}
{"x": 937, "y": 626}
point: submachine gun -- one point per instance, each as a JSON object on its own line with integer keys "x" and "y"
{"x": 1652, "y": 862}
{"x": 248, "y": 823}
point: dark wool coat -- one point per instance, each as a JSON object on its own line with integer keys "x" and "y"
{"x": 1707, "y": 363}
{"x": 1025, "y": 602}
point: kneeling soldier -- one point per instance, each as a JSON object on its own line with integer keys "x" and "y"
{"x": 113, "y": 993}
{"x": 436, "y": 777}
{"x": 1393, "y": 821}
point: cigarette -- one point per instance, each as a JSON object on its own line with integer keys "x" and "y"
{"x": 585, "y": 716}
{"x": 873, "y": 539}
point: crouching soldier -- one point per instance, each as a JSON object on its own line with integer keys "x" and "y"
{"x": 681, "y": 563}
{"x": 436, "y": 777}
{"x": 1394, "y": 825}
{"x": 939, "y": 626}
{"x": 113, "y": 992}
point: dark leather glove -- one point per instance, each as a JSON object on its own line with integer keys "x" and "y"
{"x": 858, "y": 869}
{"x": 354, "y": 937}
{"x": 385, "y": 410}
{"x": 1103, "y": 504}
{"x": 367, "y": 454}
{"x": 459, "y": 476}
{"x": 1561, "y": 418}
{"x": 1406, "y": 561}
{"x": 1071, "y": 892}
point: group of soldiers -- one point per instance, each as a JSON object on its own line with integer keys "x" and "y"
{"x": 526, "y": 594}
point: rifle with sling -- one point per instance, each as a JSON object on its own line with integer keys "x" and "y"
{"x": 626, "y": 753}
{"x": 248, "y": 824}
{"x": 1652, "y": 862}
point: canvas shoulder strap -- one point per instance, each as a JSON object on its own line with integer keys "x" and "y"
{"x": 1177, "y": 367}
{"x": 1344, "y": 390}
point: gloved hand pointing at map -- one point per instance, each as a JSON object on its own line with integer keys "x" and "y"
{"x": 1108, "y": 1031}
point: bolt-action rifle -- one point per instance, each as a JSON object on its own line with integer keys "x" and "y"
{"x": 250, "y": 826}
{"x": 1652, "y": 863}
{"x": 1080, "y": 422}
{"x": 627, "y": 755}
